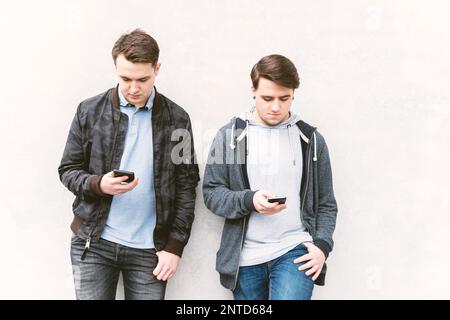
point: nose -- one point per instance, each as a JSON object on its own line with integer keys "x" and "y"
{"x": 275, "y": 107}
{"x": 134, "y": 87}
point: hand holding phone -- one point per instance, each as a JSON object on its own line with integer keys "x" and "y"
{"x": 122, "y": 173}
{"x": 280, "y": 200}
{"x": 113, "y": 182}
{"x": 267, "y": 203}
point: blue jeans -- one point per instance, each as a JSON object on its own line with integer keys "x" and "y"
{"x": 278, "y": 279}
{"x": 96, "y": 277}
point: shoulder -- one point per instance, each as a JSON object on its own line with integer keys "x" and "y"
{"x": 97, "y": 99}
{"x": 92, "y": 104}
{"x": 178, "y": 113}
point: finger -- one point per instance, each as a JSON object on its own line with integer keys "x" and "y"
{"x": 168, "y": 276}
{"x": 119, "y": 192}
{"x": 317, "y": 274}
{"x": 134, "y": 183}
{"x": 268, "y": 204}
{"x": 122, "y": 178}
{"x": 124, "y": 187}
{"x": 279, "y": 207}
{"x": 115, "y": 180}
{"x": 266, "y": 194}
{"x": 313, "y": 270}
{"x": 260, "y": 202}
{"x": 261, "y": 209}
{"x": 303, "y": 258}
{"x": 157, "y": 270}
{"x": 162, "y": 274}
{"x": 306, "y": 266}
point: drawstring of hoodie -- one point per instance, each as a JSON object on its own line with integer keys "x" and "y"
{"x": 241, "y": 136}
{"x": 290, "y": 143}
{"x": 315, "y": 147}
{"x": 232, "y": 144}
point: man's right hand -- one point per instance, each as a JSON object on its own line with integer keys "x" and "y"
{"x": 112, "y": 186}
{"x": 263, "y": 206}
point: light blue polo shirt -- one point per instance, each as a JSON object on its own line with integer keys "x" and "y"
{"x": 132, "y": 216}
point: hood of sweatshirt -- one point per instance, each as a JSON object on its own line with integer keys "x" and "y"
{"x": 250, "y": 116}
{"x": 250, "y": 120}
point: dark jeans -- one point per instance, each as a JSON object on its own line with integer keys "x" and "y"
{"x": 96, "y": 277}
{"x": 278, "y": 279}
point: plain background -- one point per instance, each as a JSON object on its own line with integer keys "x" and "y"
{"x": 374, "y": 79}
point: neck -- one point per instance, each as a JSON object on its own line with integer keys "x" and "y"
{"x": 259, "y": 120}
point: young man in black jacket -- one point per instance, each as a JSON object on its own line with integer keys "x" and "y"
{"x": 138, "y": 228}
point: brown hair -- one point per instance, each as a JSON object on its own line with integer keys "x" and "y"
{"x": 276, "y": 68}
{"x": 137, "y": 46}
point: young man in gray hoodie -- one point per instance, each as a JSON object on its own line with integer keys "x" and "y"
{"x": 271, "y": 250}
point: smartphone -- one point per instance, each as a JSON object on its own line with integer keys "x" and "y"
{"x": 280, "y": 200}
{"x": 121, "y": 173}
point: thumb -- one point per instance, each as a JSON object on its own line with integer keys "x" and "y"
{"x": 110, "y": 174}
{"x": 157, "y": 270}
{"x": 307, "y": 244}
{"x": 265, "y": 193}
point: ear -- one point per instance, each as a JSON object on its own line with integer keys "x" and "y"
{"x": 157, "y": 67}
{"x": 253, "y": 90}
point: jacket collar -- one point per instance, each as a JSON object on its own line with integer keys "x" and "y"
{"x": 157, "y": 103}
{"x": 306, "y": 130}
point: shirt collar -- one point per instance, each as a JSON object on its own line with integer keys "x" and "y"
{"x": 148, "y": 105}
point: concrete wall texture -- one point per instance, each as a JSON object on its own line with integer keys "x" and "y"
{"x": 374, "y": 79}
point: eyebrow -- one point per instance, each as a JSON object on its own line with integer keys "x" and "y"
{"x": 285, "y": 96}
{"x": 143, "y": 78}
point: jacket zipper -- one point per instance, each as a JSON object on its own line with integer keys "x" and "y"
{"x": 89, "y": 238}
{"x": 86, "y": 248}
{"x": 240, "y": 250}
{"x": 247, "y": 182}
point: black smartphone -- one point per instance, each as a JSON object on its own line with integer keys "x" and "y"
{"x": 280, "y": 200}
{"x": 121, "y": 173}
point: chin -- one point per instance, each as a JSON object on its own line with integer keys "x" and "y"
{"x": 272, "y": 122}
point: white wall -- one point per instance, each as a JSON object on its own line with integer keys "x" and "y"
{"x": 375, "y": 80}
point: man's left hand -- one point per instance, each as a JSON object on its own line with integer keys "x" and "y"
{"x": 167, "y": 265}
{"x": 315, "y": 259}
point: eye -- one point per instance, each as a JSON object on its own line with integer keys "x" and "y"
{"x": 284, "y": 99}
{"x": 267, "y": 99}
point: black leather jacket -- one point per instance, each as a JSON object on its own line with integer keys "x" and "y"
{"x": 94, "y": 147}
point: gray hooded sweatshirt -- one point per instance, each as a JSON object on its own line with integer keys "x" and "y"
{"x": 227, "y": 192}
{"x": 274, "y": 163}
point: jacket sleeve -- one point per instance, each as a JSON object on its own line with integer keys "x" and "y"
{"x": 217, "y": 194}
{"x": 327, "y": 206}
{"x": 74, "y": 164}
{"x": 186, "y": 181}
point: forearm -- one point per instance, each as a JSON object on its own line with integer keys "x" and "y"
{"x": 227, "y": 203}
{"x": 82, "y": 183}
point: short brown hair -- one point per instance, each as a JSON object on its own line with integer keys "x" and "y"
{"x": 276, "y": 68}
{"x": 136, "y": 46}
